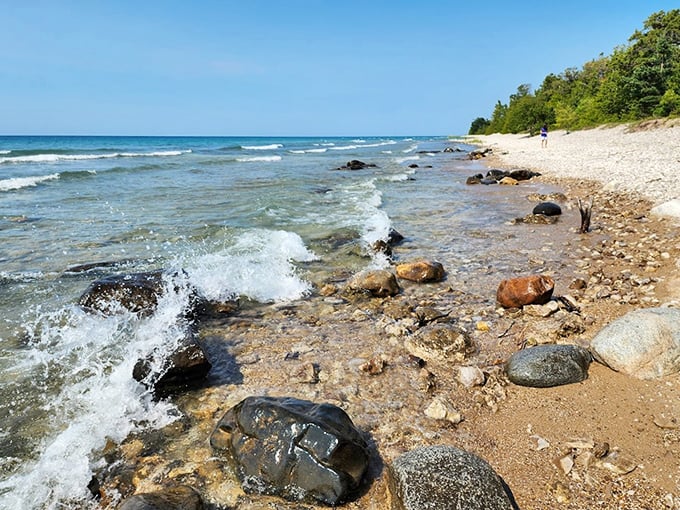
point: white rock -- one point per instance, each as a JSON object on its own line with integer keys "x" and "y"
{"x": 470, "y": 376}
{"x": 439, "y": 409}
{"x": 670, "y": 208}
{"x": 644, "y": 343}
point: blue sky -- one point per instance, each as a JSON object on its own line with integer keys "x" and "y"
{"x": 288, "y": 67}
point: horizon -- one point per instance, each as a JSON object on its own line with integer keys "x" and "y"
{"x": 214, "y": 69}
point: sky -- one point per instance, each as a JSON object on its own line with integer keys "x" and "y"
{"x": 288, "y": 67}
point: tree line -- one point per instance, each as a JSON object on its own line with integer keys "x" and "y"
{"x": 639, "y": 80}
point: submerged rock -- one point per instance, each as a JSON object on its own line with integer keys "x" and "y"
{"x": 643, "y": 343}
{"x": 525, "y": 290}
{"x": 444, "y": 477}
{"x": 355, "y": 164}
{"x": 293, "y": 448}
{"x": 544, "y": 366}
{"x": 378, "y": 283}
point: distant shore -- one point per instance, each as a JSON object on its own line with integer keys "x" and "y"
{"x": 642, "y": 158}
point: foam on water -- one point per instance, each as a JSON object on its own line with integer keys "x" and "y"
{"x": 54, "y": 158}
{"x": 263, "y": 159}
{"x": 25, "y": 182}
{"x": 259, "y": 264}
{"x": 268, "y": 147}
{"x": 95, "y": 400}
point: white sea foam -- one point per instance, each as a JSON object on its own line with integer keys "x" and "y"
{"x": 53, "y": 158}
{"x": 260, "y": 266}
{"x": 99, "y": 401}
{"x": 25, "y": 182}
{"x": 5, "y": 152}
{"x": 305, "y": 151}
{"x": 407, "y": 158}
{"x": 351, "y": 147}
{"x": 410, "y": 149}
{"x": 262, "y": 147}
{"x": 259, "y": 158}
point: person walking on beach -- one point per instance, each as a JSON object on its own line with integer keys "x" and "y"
{"x": 544, "y": 136}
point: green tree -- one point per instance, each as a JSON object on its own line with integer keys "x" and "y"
{"x": 478, "y": 126}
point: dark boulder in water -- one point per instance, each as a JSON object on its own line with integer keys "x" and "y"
{"x": 355, "y": 164}
{"x": 474, "y": 179}
{"x": 547, "y": 209}
{"x": 136, "y": 292}
{"x": 293, "y": 448}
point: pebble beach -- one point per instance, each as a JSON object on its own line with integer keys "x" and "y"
{"x": 546, "y": 443}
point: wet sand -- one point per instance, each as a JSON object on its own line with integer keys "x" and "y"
{"x": 317, "y": 349}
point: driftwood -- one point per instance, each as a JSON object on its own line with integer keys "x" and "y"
{"x": 585, "y": 210}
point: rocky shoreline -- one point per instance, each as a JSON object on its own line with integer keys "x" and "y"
{"x": 396, "y": 365}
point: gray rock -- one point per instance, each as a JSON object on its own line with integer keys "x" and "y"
{"x": 548, "y": 365}
{"x": 177, "y": 498}
{"x": 443, "y": 478}
{"x": 136, "y": 292}
{"x": 293, "y": 448}
{"x": 547, "y": 209}
{"x": 441, "y": 342}
{"x": 643, "y": 343}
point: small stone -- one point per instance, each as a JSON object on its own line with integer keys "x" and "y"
{"x": 374, "y": 366}
{"x": 565, "y": 463}
{"x": 482, "y": 326}
{"x": 541, "y": 443}
{"x": 440, "y": 409}
{"x": 470, "y": 376}
{"x": 617, "y": 463}
{"x": 666, "y": 422}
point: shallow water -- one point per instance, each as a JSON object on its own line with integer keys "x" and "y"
{"x": 265, "y": 219}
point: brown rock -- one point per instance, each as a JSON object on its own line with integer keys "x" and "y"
{"x": 380, "y": 283}
{"x": 421, "y": 271}
{"x": 526, "y": 290}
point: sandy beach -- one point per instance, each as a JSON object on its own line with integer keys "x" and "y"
{"x": 319, "y": 349}
{"x": 641, "y": 158}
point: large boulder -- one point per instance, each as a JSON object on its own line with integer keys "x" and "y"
{"x": 378, "y": 283}
{"x": 136, "y": 292}
{"x": 643, "y": 343}
{"x": 421, "y": 271}
{"x": 446, "y": 478}
{"x": 293, "y": 448}
{"x": 526, "y": 290}
{"x": 176, "y": 498}
{"x": 544, "y": 366}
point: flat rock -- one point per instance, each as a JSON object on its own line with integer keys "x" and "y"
{"x": 525, "y": 290}
{"x": 548, "y": 365}
{"x": 446, "y": 478}
{"x": 440, "y": 342}
{"x": 293, "y": 448}
{"x": 643, "y": 343}
{"x": 421, "y": 271}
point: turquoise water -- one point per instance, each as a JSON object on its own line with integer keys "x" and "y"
{"x": 260, "y": 218}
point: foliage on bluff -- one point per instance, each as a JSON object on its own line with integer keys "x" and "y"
{"x": 639, "y": 80}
